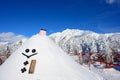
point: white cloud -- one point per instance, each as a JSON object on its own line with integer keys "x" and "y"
{"x": 112, "y": 1}
{"x": 10, "y": 37}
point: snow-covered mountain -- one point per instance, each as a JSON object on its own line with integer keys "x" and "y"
{"x": 10, "y": 41}
{"x": 72, "y": 40}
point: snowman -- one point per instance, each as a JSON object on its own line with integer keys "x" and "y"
{"x": 30, "y": 53}
{"x": 32, "y": 63}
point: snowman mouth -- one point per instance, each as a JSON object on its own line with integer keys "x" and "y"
{"x": 28, "y": 56}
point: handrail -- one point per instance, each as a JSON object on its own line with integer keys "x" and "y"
{"x": 4, "y": 54}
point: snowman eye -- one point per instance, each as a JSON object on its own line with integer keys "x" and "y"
{"x": 27, "y": 50}
{"x": 33, "y": 51}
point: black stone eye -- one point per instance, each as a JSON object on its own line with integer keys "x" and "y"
{"x": 33, "y": 51}
{"x": 27, "y": 50}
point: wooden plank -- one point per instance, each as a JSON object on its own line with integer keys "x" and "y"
{"x": 32, "y": 67}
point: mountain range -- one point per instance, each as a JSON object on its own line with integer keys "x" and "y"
{"x": 70, "y": 40}
{"x": 75, "y": 40}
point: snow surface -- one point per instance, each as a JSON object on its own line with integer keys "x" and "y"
{"x": 106, "y": 73}
{"x": 51, "y": 63}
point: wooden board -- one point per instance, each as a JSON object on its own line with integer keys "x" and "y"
{"x": 32, "y": 67}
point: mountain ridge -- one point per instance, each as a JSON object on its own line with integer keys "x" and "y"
{"x": 71, "y": 38}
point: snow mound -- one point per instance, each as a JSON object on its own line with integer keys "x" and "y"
{"x": 51, "y": 63}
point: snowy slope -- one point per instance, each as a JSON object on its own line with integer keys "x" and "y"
{"x": 86, "y": 41}
{"x": 51, "y": 63}
{"x": 106, "y": 73}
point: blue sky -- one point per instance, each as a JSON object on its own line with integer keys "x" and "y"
{"x": 27, "y": 17}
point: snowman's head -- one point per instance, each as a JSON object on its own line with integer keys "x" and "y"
{"x": 29, "y": 53}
